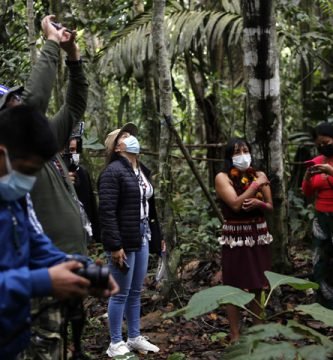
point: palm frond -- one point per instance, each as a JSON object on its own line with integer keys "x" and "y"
{"x": 184, "y": 30}
{"x": 232, "y": 6}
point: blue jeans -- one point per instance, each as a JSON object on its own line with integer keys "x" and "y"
{"x": 127, "y": 303}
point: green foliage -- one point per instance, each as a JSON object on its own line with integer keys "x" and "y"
{"x": 177, "y": 356}
{"x": 197, "y": 227}
{"x": 210, "y": 299}
{"x": 267, "y": 341}
{"x": 277, "y": 341}
{"x": 275, "y": 280}
{"x": 218, "y": 336}
{"x": 300, "y": 217}
{"x": 318, "y": 312}
{"x": 92, "y": 143}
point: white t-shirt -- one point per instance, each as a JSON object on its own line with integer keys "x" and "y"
{"x": 146, "y": 192}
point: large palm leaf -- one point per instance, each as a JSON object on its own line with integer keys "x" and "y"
{"x": 185, "y": 30}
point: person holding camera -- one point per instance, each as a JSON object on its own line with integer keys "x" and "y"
{"x": 129, "y": 229}
{"x": 53, "y": 194}
{"x": 318, "y": 184}
{"x": 30, "y": 265}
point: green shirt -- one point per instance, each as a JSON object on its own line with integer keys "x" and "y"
{"x": 53, "y": 195}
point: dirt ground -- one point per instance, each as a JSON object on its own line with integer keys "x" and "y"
{"x": 201, "y": 338}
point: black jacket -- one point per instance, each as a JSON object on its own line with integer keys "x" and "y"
{"x": 119, "y": 208}
{"x": 85, "y": 192}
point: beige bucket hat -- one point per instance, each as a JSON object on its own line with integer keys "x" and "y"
{"x": 110, "y": 140}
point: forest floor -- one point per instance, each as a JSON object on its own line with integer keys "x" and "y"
{"x": 200, "y": 338}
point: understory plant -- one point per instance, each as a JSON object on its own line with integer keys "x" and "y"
{"x": 290, "y": 340}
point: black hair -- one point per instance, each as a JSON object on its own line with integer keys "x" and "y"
{"x": 324, "y": 129}
{"x": 229, "y": 151}
{"x": 26, "y": 132}
{"x": 79, "y": 145}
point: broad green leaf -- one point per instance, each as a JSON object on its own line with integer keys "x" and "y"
{"x": 260, "y": 351}
{"x": 318, "y": 312}
{"x": 210, "y": 299}
{"x": 310, "y": 333}
{"x": 276, "y": 280}
{"x": 271, "y": 330}
{"x": 276, "y": 341}
{"x": 314, "y": 352}
{"x": 175, "y": 313}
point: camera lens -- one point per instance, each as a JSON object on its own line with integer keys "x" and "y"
{"x": 98, "y": 275}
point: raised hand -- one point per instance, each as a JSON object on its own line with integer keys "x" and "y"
{"x": 49, "y": 31}
{"x": 69, "y": 45}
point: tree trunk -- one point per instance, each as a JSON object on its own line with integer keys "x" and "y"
{"x": 264, "y": 123}
{"x": 31, "y": 31}
{"x": 208, "y": 108}
{"x": 306, "y": 71}
{"x": 150, "y": 116}
{"x": 165, "y": 109}
{"x": 59, "y": 88}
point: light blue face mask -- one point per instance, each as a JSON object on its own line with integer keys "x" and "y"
{"x": 14, "y": 185}
{"x": 132, "y": 145}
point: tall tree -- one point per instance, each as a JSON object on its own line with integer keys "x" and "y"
{"x": 31, "y": 31}
{"x": 165, "y": 110}
{"x": 264, "y": 122}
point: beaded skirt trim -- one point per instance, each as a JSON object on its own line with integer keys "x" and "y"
{"x": 245, "y": 234}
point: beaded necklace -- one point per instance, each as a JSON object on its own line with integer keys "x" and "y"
{"x": 243, "y": 180}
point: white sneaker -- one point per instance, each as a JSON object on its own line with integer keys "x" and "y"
{"x": 141, "y": 344}
{"x": 120, "y": 348}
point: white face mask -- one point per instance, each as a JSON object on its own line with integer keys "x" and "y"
{"x": 76, "y": 158}
{"x": 132, "y": 145}
{"x": 14, "y": 185}
{"x": 242, "y": 162}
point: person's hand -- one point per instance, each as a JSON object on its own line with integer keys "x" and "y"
{"x": 49, "y": 31}
{"x": 261, "y": 179}
{"x": 72, "y": 176}
{"x": 118, "y": 257}
{"x": 321, "y": 169}
{"x": 251, "y": 203}
{"x": 69, "y": 45}
{"x": 65, "y": 283}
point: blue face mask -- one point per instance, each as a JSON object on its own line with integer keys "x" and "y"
{"x": 132, "y": 145}
{"x": 14, "y": 185}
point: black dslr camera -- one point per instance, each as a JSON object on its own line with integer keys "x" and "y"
{"x": 98, "y": 275}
